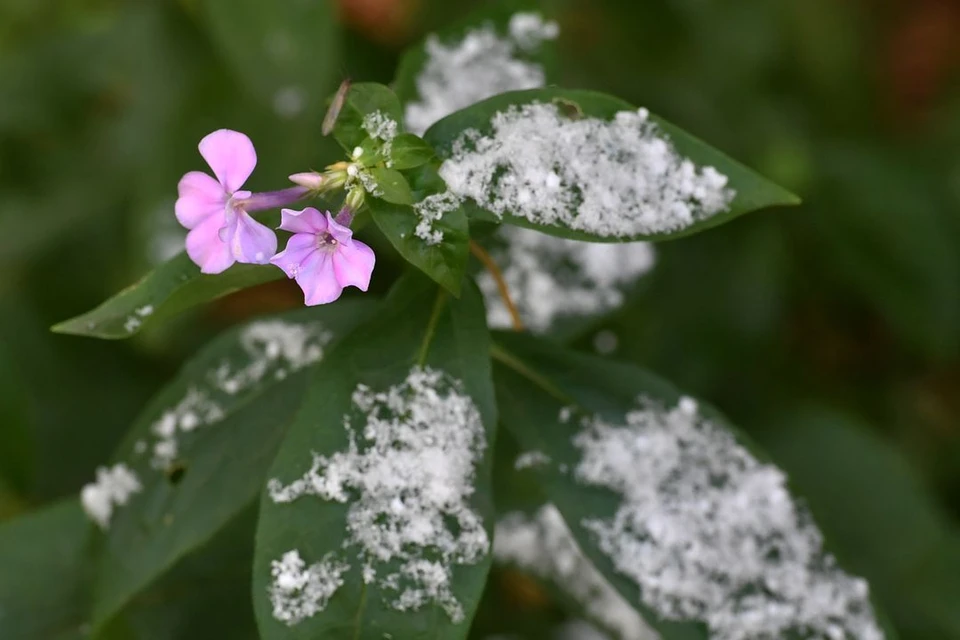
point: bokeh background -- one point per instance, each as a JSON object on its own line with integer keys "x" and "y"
{"x": 830, "y": 331}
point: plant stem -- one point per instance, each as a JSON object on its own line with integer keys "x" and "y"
{"x": 494, "y": 270}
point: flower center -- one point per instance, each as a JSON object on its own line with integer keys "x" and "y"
{"x": 326, "y": 242}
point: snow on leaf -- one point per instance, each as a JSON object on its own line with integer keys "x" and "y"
{"x": 298, "y": 591}
{"x": 482, "y": 64}
{"x": 552, "y": 278}
{"x": 613, "y": 179}
{"x": 408, "y": 475}
{"x": 113, "y": 488}
{"x": 710, "y": 533}
{"x": 272, "y": 349}
{"x": 530, "y": 459}
{"x": 431, "y": 209}
{"x": 383, "y": 128}
{"x": 542, "y": 545}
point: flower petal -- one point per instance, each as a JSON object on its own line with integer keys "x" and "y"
{"x": 309, "y": 220}
{"x": 252, "y": 242}
{"x": 200, "y": 197}
{"x": 231, "y": 156}
{"x": 337, "y": 230}
{"x": 317, "y": 279}
{"x": 299, "y": 248}
{"x": 206, "y": 249}
{"x": 353, "y": 264}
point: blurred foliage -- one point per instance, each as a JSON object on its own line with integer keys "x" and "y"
{"x": 830, "y": 331}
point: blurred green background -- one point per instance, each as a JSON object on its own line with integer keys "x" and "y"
{"x": 830, "y": 331}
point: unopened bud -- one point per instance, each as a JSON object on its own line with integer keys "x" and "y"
{"x": 355, "y": 198}
{"x": 309, "y": 179}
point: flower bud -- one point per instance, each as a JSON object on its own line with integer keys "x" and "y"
{"x": 309, "y": 179}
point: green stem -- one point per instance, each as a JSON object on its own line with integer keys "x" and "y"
{"x": 511, "y": 361}
{"x": 432, "y": 327}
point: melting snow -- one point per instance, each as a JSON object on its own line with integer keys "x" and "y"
{"x": 542, "y": 545}
{"x": 613, "y": 179}
{"x": 552, "y": 277}
{"x": 408, "y": 474}
{"x": 113, "y": 488}
{"x": 710, "y": 533}
{"x": 298, "y": 591}
{"x": 482, "y": 64}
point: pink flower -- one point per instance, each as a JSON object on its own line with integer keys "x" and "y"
{"x": 322, "y": 255}
{"x": 221, "y": 230}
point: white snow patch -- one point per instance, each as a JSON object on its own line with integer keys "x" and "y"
{"x": 113, "y": 488}
{"x": 550, "y": 278}
{"x": 382, "y": 127}
{"x": 543, "y": 545}
{"x": 614, "y": 179}
{"x": 272, "y": 349}
{"x": 482, "y": 64}
{"x": 531, "y": 459}
{"x": 431, "y": 210}
{"x": 408, "y": 474}
{"x": 710, "y": 533}
{"x": 297, "y": 591}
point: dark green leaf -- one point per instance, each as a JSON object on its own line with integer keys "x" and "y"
{"x": 445, "y": 261}
{"x": 228, "y": 410}
{"x": 537, "y": 383}
{"x": 407, "y": 151}
{"x": 418, "y": 324}
{"x": 363, "y": 99}
{"x": 752, "y": 190}
{"x": 392, "y": 186}
{"x": 883, "y": 521}
{"x": 284, "y": 51}
{"x": 169, "y": 289}
{"x": 44, "y": 572}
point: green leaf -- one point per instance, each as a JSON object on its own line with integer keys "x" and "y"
{"x": 227, "y": 410}
{"x": 537, "y": 385}
{"x": 363, "y": 99}
{"x": 285, "y": 51}
{"x": 408, "y": 151}
{"x": 884, "y": 522}
{"x": 752, "y": 190}
{"x": 44, "y": 571}
{"x": 417, "y": 325}
{"x": 445, "y": 261}
{"x": 494, "y": 16}
{"x": 174, "y": 286}
{"x": 392, "y": 186}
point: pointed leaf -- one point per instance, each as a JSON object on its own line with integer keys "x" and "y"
{"x": 174, "y": 286}
{"x": 202, "y": 447}
{"x": 392, "y": 187}
{"x": 674, "y": 507}
{"x": 407, "y": 151}
{"x": 363, "y": 100}
{"x": 417, "y": 325}
{"x": 588, "y": 166}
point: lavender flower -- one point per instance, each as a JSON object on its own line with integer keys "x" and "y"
{"x": 322, "y": 255}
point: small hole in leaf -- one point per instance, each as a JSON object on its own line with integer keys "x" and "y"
{"x": 175, "y": 472}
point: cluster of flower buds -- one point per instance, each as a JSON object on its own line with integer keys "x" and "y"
{"x": 321, "y": 255}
